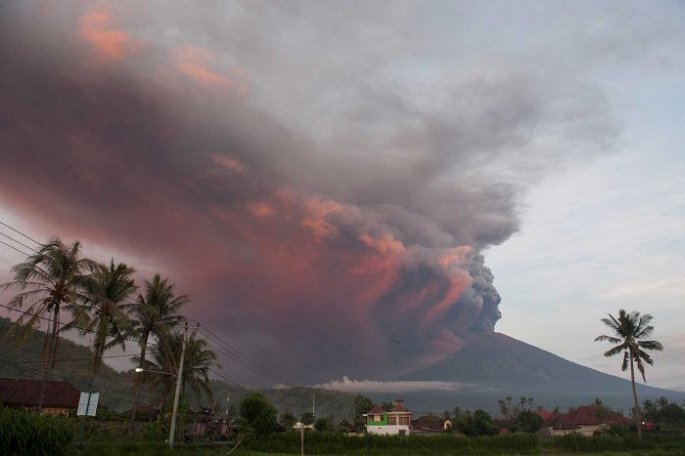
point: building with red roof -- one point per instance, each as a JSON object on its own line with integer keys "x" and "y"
{"x": 396, "y": 421}
{"x": 585, "y": 420}
{"x": 60, "y": 397}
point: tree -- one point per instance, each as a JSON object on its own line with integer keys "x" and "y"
{"x": 629, "y": 329}
{"x": 505, "y": 407}
{"x": 108, "y": 291}
{"x": 476, "y": 424}
{"x": 198, "y": 360}
{"x": 527, "y": 421}
{"x": 48, "y": 282}
{"x": 664, "y": 412}
{"x": 343, "y": 426}
{"x": 362, "y": 405}
{"x": 323, "y": 424}
{"x": 287, "y": 419}
{"x": 307, "y": 418}
{"x": 258, "y": 413}
{"x": 154, "y": 313}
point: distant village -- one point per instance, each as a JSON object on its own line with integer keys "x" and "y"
{"x": 387, "y": 419}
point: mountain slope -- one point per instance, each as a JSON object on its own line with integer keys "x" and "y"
{"x": 499, "y": 366}
{"x": 116, "y": 388}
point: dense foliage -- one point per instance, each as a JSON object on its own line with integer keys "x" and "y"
{"x": 476, "y": 424}
{"x": 527, "y": 421}
{"x": 27, "y": 434}
{"x": 668, "y": 415}
{"x": 258, "y": 414}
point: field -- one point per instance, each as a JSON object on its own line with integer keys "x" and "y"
{"x": 421, "y": 445}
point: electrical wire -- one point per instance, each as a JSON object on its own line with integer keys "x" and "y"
{"x": 233, "y": 353}
{"x": 19, "y": 232}
{"x": 14, "y": 248}
{"x": 18, "y": 242}
{"x": 210, "y": 336}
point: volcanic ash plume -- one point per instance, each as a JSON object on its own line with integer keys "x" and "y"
{"x": 321, "y": 209}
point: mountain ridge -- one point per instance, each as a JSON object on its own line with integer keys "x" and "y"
{"x": 494, "y": 363}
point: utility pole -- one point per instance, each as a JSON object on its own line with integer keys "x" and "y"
{"x": 179, "y": 381}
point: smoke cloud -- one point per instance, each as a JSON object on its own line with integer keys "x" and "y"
{"x": 320, "y": 181}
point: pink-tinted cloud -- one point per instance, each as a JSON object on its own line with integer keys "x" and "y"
{"x": 96, "y": 28}
{"x": 198, "y": 64}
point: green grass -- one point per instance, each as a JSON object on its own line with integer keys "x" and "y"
{"x": 333, "y": 444}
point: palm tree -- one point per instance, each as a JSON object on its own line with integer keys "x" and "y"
{"x": 154, "y": 313}
{"x": 108, "y": 304}
{"x": 50, "y": 280}
{"x": 198, "y": 360}
{"x": 628, "y": 329}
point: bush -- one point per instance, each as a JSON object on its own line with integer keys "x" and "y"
{"x": 29, "y": 434}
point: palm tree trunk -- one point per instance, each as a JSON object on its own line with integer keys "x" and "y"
{"x": 50, "y": 360}
{"x": 638, "y": 419}
{"x": 140, "y": 380}
{"x": 98, "y": 350}
{"x": 55, "y": 338}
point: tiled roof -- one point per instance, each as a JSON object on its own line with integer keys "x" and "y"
{"x": 428, "y": 423}
{"x": 544, "y": 414}
{"x": 25, "y": 392}
{"x": 399, "y": 407}
{"x": 593, "y": 415}
{"x": 376, "y": 410}
{"x": 557, "y": 421}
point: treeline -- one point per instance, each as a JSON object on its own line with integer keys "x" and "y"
{"x": 104, "y": 301}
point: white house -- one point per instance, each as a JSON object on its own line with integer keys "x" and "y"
{"x": 397, "y": 421}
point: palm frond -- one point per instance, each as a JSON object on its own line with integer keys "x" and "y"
{"x": 613, "y": 340}
{"x": 616, "y": 350}
{"x": 650, "y": 345}
{"x": 626, "y": 360}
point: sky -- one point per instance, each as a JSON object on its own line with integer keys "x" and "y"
{"x": 351, "y": 190}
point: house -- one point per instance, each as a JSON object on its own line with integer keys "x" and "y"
{"x": 585, "y": 420}
{"x": 60, "y": 397}
{"x": 592, "y": 418}
{"x": 396, "y": 421}
{"x": 430, "y": 424}
{"x": 554, "y": 423}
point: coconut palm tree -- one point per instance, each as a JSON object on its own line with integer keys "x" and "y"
{"x": 108, "y": 291}
{"x": 629, "y": 329}
{"x": 154, "y": 314}
{"x": 198, "y": 360}
{"x": 50, "y": 281}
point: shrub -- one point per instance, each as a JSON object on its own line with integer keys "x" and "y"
{"x": 29, "y": 434}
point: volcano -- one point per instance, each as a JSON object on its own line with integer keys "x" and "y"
{"x": 492, "y": 366}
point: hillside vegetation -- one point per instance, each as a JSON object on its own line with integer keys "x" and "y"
{"x": 22, "y": 360}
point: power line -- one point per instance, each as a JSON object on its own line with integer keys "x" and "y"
{"x": 235, "y": 354}
{"x": 18, "y": 242}
{"x": 223, "y": 377}
{"x": 63, "y": 360}
{"x": 19, "y": 232}
{"x": 13, "y": 247}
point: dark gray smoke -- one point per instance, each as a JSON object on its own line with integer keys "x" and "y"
{"x": 319, "y": 180}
